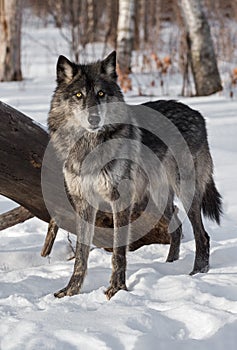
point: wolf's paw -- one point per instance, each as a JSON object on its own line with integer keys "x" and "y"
{"x": 196, "y": 270}
{"x": 67, "y": 291}
{"x": 112, "y": 290}
{"x": 172, "y": 258}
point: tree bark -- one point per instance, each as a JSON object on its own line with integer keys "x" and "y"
{"x": 125, "y": 35}
{"x": 50, "y": 238}
{"x": 91, "y": 25}
{"x": 203, "y": 60}
{"x": 22, "y": 147}
{"x": 110, "y": 36}
{"x": 10, "y": 40}
{"x": 14, "y": 217}
{"x": 23, "y": 143}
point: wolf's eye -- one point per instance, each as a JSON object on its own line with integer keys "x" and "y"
{"x": 101, "y": 93}
{"x": 79, "y": 95}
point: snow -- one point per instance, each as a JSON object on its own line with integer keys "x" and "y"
{"x": 165, "y": 308}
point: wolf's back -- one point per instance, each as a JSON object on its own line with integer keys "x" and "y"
{"x": 191, "y": 125}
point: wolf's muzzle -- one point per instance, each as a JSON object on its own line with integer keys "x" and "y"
{"x": 94, "y": 119}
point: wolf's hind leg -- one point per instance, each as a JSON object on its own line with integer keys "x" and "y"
{"x": 85, "y": 230}
{"x": 202, "y": 239}
{"x": 176, "y": 229}
{"x": 121, "y": 237}
{"x": 175, "y": 239}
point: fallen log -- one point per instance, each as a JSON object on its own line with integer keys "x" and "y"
{"x": 22, "y": 147}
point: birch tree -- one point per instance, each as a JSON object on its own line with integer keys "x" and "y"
{"x": 10, "y": 40}
{"x": 125, "y": 38}
{"x": 91, "y": 26}
{"x": 203, "y": 60}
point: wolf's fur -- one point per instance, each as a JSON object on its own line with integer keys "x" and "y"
{"x": 80, "y": 123}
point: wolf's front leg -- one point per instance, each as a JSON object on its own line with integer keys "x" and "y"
{"x": 85, "y": 231}
{"x": 121, "y": 235}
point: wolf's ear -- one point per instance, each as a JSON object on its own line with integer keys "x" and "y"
{"x": 108, "y": 66}
{"x": 65, "y": 70}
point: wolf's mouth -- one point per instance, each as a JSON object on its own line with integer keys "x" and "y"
{"x": 94, "y": 128}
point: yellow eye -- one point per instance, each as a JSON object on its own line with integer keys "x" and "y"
{"x": 101, "y": 93}
{"x": 79, "y": 95}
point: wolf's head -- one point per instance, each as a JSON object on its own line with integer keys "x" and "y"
{"x": 85, "y": 90}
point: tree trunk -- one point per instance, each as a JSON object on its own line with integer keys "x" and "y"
{"x": 10, "y": 40}
{"x": 203, "y": 60}
{"x": 125, "y": 35}
{"x": 22, "y": 149}
{"x": 110, "y": 36}
{"x": 91, "y": 25}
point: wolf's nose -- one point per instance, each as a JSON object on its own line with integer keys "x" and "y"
{"x": 93, "y": 119}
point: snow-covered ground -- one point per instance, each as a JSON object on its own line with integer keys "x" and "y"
{"x": 165, "y": 308}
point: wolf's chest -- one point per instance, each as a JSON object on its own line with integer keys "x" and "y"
{"x": 100, "y": 182}
{"x": 101, "y": 168}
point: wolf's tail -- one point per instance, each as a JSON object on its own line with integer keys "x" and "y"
{"x": 211, "y": 202}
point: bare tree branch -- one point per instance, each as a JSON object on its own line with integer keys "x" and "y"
{"x": 14, "y": 217}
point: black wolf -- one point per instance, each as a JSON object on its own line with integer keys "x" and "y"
{"x": 89, "y": 126}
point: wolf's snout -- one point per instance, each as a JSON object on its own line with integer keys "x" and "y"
{"x": 94, "y": 119}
